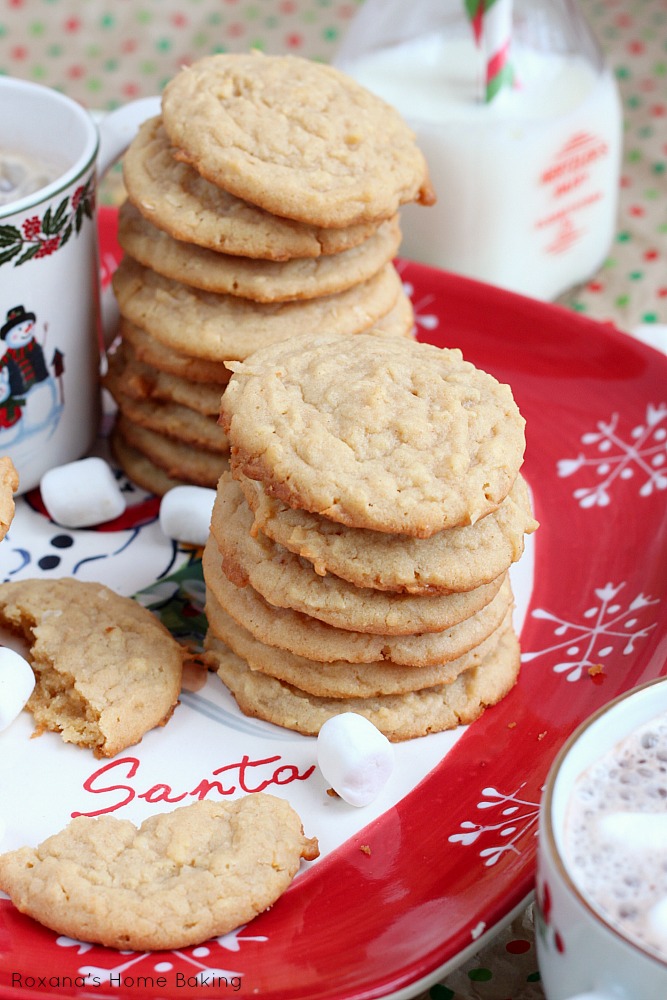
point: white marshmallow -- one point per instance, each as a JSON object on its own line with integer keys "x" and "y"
{"x": 185, "y": 513}
{"x": 82, "y": 493}
{"x": 17, "y": 681}
{"x": 636, "y": 831}
{"x": 656, "y": 918}
{"x": 355, "y": 757}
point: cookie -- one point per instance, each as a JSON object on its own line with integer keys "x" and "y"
{"x": 341, "y": 679}
{"x": 144, "y": 382}
{"x": 183, "y": 462}
{"x": 286, "y": 581}
{"x": 176, "y": 199}
{"x": 296, "y": 137}
{"x": 106, "y": 670}
{"x": 456, "y": 559}
{"x": 181, "y": 878}
{"x": 139, "y": 468}
{"x": 259, "y": 280}
{"x": 374, "y": 432}
{"x": 224, "y": 327}
{"x": 165, "y": 359}
{"x": 309, "y": 637}
{"x": 9, "y": 483}
{"x": 399, "y": 717}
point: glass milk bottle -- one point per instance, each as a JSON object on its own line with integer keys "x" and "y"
{"x": 520, "y": 122}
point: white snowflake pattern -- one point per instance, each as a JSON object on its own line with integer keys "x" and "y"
{"x": 424, "y": 316}
{"x": 515, "y": 816}
{"x": 607, "y": 625}
{"x": 645, "y": 452}
{"x": 197, "y": 960}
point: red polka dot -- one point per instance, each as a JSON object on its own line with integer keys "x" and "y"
{"x": 647, "y": 84}
{"x": 637, "y": 210}
{"x": 235, "y": 30}
{"x": 76, "y": 72}
{"x": 636, "y": 48}
{"x": 287, "y": 7}
{"x": 626, "y": 181}
{"x": 347, "y": 11}
{"x": 294, "y": 41}
{"x": 19, "y": 53}
{"x": 623, "y": 21}
{"x": 130, "y": 90}
{"x": 658, "y": 110}
{"x": 662, "y": 293}
{"x": 518, "y": 947}
{"x": 179, "y": 20}
{"x": 595, "y": 286}
{"x": 128, "y": 45}
{"x": 651, "y": 255}
{"x": 72, "y": 24}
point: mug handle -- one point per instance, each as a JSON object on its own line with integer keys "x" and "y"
{"x": 117, "y": 130}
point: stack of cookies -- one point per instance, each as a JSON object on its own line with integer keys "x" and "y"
{"x": 360, "y": 547}
{"x": 262, "y": 204}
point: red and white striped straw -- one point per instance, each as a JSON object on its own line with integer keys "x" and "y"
{"x": 491, "y": 22}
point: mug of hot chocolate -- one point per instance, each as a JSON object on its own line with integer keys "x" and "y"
{"x": 601, "y": 888}
{"x": 50, "y": 333}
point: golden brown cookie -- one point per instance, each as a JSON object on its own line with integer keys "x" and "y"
{"x": 286, "y": 581}
{"x": 456, "y": 559}
{"x": 259, "y": 280}
{"x": 225, "y": 327}
{"x": 145, "y": 382}
{"x": 341, "y": 679}
{"x": 181, "y": 878}
{"x": 9, "y": 483}
{"x": 106, "y": 670}
{"x": 296, "y": 137}
{"x": 184, "y": 462}
{"x": 399, "y": 717}
{"x": 176, "y": 199}
{"x": 374, "y": 432}
{"x": 139, "y": 468}
{"x": 309, "y": 637}
{"x": 178, "y": 363}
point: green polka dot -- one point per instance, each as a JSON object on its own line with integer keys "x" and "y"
{"x": 610, "y": 262}
{"x": 440, "y": 992}
{"x": 623, "y": 73}
{"x": 309, "y": 17}
{"x": 577, "y": 306}
{"x": 37, "y": 29}
{"x": 634, "y": 101}
{"x": 650, "y": 318}
{"x": 636, "y": 275}
{"x": 623, "y": 237}
{"x": 660, "y": 69}
{"x": 330, "y": 34}
{"x": 215, "y": 18}
{"x": 258, "y": 44}
{"x": 54, "y": 51}
{"x": 94, "y": 85}
{"x": 147, "y": 68}
{"x": 111, "y": 65}
{"x": 271, "y": 22}
{"x": 634, "y": 155}
{"x": 651, "y": 194}
{"x": 251, "y": 13}
{"x": 38, "y": 73}
{"x": 324, "y": 3}
{"x": 662, "y": 227}
{"x": 200, "y": 41}
{"x": 480, "y": 975}
{"x": 621, "y": 300}
{"x": 658, "y": 168}
{"x": 107, "y": 21}
{"x": 93, "y": 52}
{"x": 645, "y": 132}
{"x": 163, "y": 44}
{"x": 144, "y": 16}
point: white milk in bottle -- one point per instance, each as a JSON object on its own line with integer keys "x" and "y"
{"x": 527, "y": 183}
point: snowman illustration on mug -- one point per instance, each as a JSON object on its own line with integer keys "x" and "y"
{"x": 30, "y": 398}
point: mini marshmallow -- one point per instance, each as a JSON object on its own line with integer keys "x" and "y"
{"x": 82, "y": 493}
{"x": 355, "y": 757}
{"x": 636, "y": 831}
{"x": 656, "y": 918}
{"x": 185, "y": 513}
{"x": 17, "y": 681}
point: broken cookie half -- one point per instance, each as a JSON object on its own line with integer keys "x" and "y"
{"x": 106, "y": 670}
{"x": 183, "y": 877}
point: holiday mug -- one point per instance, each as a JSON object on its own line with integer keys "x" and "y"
{"x": 588, "y": 949}
{"x": 50, "y": 328}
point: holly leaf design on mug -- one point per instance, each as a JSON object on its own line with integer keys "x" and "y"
{"x": 41, "y": 237}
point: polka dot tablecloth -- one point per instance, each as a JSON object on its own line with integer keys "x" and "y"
{"x": 106, "y": 52}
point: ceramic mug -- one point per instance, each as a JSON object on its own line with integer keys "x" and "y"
{"x": 582, "y": 956}
{"x": 50, "y": 332}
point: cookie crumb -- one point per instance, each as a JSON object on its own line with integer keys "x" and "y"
{"x": 540, "y": 736}
{"x": 333, "y": 793}
{"x": 596, "y": 669}
{"x": 365, "y": 849}
{"x": 511, "y": 725}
